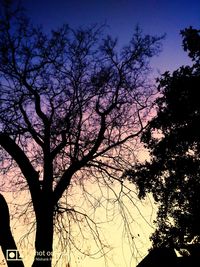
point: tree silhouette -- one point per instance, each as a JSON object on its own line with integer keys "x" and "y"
{"x": 172, "y": 138}
{"x": 6, "y": 239}
{"x": 69, "y": 103}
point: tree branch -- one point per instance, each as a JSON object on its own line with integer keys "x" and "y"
{"x": 30, "y": 127}
{"x": 119, "y": 143}
{"x": 31, "y": 175}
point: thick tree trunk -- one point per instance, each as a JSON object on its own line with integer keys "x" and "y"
{"x": 7, "y": 241}
{"x": 44, "y": 236}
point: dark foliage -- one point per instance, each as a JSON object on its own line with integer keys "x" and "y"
{"x": 172, "y": 174}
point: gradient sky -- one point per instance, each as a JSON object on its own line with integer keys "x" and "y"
{"x": 153, "y": 16}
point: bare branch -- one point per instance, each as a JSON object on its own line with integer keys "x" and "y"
{"x": 24, "y": 164}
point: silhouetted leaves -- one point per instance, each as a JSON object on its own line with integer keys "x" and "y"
{"x": 172, "y": 174}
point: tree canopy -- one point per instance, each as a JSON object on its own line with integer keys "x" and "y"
{"x": 172, "y": 172}
{"x": 69, "y": 103}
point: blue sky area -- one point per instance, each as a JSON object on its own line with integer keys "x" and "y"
{"x": 154, "y": 17}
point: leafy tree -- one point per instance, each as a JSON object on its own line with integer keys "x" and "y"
{"x": 69, "y": 104}
{"x": 172, "y": 173}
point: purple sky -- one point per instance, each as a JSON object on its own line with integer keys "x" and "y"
{"x": 153, "y": 16}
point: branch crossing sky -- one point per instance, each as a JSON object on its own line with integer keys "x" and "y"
{"x": 155, "y": 17}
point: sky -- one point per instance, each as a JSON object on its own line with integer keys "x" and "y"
{"x": 154, "y": 17}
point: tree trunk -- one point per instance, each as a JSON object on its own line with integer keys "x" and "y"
{"x": 7, "y": 241}
{"x": 44, "y": 235}
{"x": 10, "y": 251}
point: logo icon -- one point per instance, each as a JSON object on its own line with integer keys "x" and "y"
{"x": 13, "y": 255}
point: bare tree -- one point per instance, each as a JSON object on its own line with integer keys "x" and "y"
{"x": 70, "y": 103}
